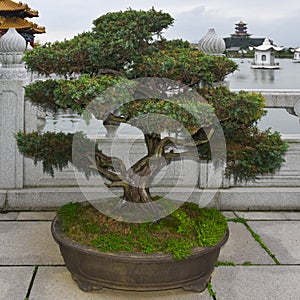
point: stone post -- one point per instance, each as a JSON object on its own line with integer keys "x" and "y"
{"x": 13, "y": 76}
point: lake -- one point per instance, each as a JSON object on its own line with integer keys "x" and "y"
{"x": 288, "y": 77}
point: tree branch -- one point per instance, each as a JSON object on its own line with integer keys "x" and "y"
{"x": 167, "y": 141}
{"x": 109, "y": 71}
{"x": 107, "y": 166}
{"x": 171, "y": 156}
{"x": 114, "y": 118}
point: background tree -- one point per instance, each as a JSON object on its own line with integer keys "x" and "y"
{"x": 129, "y": 45}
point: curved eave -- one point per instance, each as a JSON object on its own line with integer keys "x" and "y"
{"x": 20, "y": 24}
{"x": 8, "y": 7}
{"x": 296, "y": 49}
{"x": 37, "y": 29}
{"x": 268, "y": 48}
{"x": 31, "y": 13}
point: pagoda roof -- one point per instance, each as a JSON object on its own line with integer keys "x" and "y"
{"x": 8, "y": 7}
{"x": 296, "y": 49}
{"x": 20, "y": 24}
{"x": 268, "y": 46}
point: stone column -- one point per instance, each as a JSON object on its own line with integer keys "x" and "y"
{"x": 13, "y": 76}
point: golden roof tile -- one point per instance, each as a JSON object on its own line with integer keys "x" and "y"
{"x": 8, "y": 6}
{"x": 20, "y": 24}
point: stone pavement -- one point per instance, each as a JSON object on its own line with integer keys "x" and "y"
{"x": 261, "y": 261}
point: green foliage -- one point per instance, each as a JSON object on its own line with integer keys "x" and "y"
{"x": 261, "y": 153}
{"x": 165, "y": 44}
{"x": 62, "y": 58}
{"x": 188, "y": 227}
{"x": 41, "y": 93}
{"x": 184, "y": 65}
{"x": 124, "y": 37}
{"x": 54, "y": 150}
{"x": 178, "y": 111}
{"x": 117, "y": 39}
{"x": 74, "y": 93}
{"x": 235, "y": 110}
{"x": 250, "y": 152}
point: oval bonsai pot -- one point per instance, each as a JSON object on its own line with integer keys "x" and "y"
{"x": 92, "y": 269}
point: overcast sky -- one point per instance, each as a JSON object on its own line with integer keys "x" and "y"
{"x": 278, "y": 20}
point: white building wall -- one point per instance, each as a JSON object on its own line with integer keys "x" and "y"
{"x": 264, "y": 57}
{"x": 297, "y": 55}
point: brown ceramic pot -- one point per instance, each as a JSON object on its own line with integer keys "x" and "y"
{"x": 92, "y": 269}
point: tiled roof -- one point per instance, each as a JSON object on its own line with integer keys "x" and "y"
{"x": 20, "y": 24}
{"x": 267, "y": 45}
{"x": 8, "y": 6}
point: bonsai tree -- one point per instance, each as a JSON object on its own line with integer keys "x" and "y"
{"x": 128, "y": 45}
{"x": 124, "y": 71}
{"x": 103, "y": 71}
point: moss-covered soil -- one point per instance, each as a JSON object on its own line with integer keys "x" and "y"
{"x": 185, "y": 228}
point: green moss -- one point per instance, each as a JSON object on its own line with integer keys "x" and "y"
{"x": 212, "y": 293}
{"x": 225, "y": 263}
{"x": 247, "y": 263}
{"x": 185, "y": 228}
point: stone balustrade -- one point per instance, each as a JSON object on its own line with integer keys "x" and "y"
{"x": 288, "y": 99}
{"x": 24, "y": 186}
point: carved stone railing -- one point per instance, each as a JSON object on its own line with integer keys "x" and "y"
{"x": 13, "y": 76}
{"x": 287, "y": 99}
{"x": 17, "y": 174}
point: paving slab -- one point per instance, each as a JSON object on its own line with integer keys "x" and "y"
{"x": 281, "y": 237}
{"x": 36, "y": 216}
{"x": 11, "y": 216}
{"x": 241, "y": 247}
{"x": 261, "y": 215}
{"x": 56, "y": 283}
{"x": 14, "y": 282}
{"x": 27, "y": 243}
{"x": 228, "y": 214}
{"x": 257, "y": 282}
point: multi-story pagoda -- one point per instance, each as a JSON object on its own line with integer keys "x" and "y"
{"x": 241, "y": 30}
{"x": 241, "y": 39}
{"x": 13, "y": 15}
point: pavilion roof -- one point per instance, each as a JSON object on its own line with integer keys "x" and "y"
{"x": 267, "y": 45}
{"x": 296, "y": 49}
{"x": 8, "y": 7}
{"x": 20, "y": 24}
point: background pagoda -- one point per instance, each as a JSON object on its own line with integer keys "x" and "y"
{"x": 13, "y": 15}
{"x": 241, "y": 39}
{"x": 241, "y": 30}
